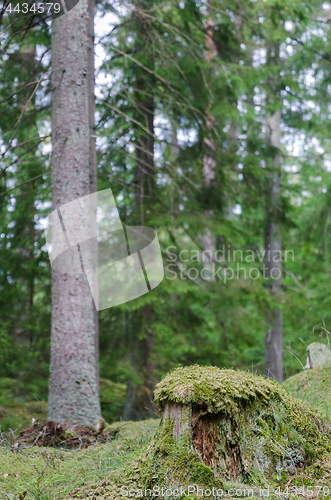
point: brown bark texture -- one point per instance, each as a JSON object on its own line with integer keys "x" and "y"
{"x": 92, "y": 145}
{"x": 73, "y": 387}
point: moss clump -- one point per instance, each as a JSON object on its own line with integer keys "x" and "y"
{"x": 244, "y": 426}
{"x": 204, "y": 475}
{"x": 219, "y": 390}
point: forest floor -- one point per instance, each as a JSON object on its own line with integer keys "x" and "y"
{"x": 36, "y": 473}
{"x": 49, "y": 473}
{"x": 313, "y": 387}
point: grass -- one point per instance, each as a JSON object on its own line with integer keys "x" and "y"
{"x": 51, "y": 474}
{"x": 313, "y": 387}
{"x": 96, "y": 473}
{"x": 18, "y": 415}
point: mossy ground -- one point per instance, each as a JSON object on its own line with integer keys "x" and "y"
{"x": 313, "y": 387}
{"x": 16, "y": 413}
{"x": 49, "y": 474}
{"x": 141, "y": 453}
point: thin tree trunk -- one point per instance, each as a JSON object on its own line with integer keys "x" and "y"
{"x": 273, "y": 241}
{"x": 209, "y": 162}
{"x": 92, "y": 150}
{"x": 25, "y": 226}
{"x": 139, "y": 398}
{"x": 144, "y": 115}
{"x": 73, "y": 392}
{"x": 144, "y": 151}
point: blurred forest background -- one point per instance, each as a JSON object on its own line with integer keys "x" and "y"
{"x": 186, "y": 93}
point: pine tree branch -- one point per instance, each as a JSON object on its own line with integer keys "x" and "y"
{"x": 25, "y": 182}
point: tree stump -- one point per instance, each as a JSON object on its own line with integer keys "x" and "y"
{"x": 230, "y": 425}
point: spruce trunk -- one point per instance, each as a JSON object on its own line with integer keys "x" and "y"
{"x": 73, "y": 392}
{"x": 273, "y": 239}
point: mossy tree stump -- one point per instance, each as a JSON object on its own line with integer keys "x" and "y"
{"x": 230, "y": 425}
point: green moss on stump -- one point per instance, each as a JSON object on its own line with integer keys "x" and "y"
{"x": 245, "y": 427}
{"x": 220, "y": 390}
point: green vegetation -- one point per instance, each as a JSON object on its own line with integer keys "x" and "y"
{"x": 197, "y": 101}
{"x": 112, "y": 397}
{"x": 51, "y": 474}
{"x": 16, "y": 412}
{"x": 19, "y": 415}
{"x": 184, "y": 94}
{"x": 289, "y": 438}
{"x": 220, "y": 390}
{"x": 313, "y": 387}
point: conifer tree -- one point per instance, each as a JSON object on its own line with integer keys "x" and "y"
{"x": 73, "y": 387}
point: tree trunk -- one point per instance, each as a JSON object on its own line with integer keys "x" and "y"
{"x": 92, "y": 150}
{"x": 73, "y": 392}
{"x": 25, "y": 203}
{"x": 209, "y": 162}
{"x": 139, "y": 397}
{"x": 273, "y": 367}
{"x": 144, "y": 115}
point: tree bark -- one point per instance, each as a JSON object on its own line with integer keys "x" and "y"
{"x": 144, "y": 115}
{"x": 273, "y": 367}
{"x": 209, "y": 162}
{"x": 139, "y": 398}
{"x": 92, "y": 150}
{"x": 73, "y": 392}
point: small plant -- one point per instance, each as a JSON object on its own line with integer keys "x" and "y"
{"x": 279, "y": 474}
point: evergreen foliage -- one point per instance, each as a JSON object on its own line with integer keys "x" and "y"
{"x": 156, "y": 58}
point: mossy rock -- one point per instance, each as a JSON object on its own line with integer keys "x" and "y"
{"x": 318, "y": 355}
{"x": 242, "y": 427}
